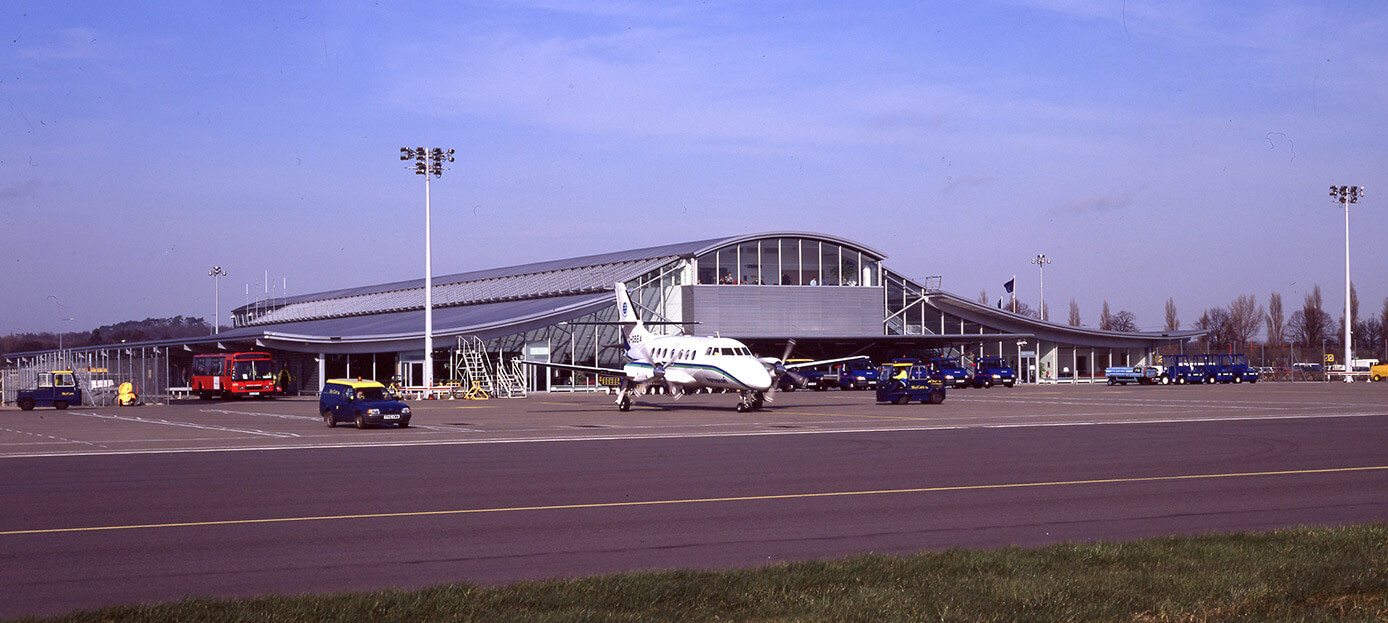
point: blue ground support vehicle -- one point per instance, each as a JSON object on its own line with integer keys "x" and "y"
{"x": 901, "y": 383}
{"x": 1214, "y": 368}
{"x": 57, "y": 389}
{"x": 1237, "y": 363}
{"x": 857, "y": 374}
{"x": 364, "y": 403}
{"x": 949, "y": 369}
{"x": 990, "y": 371}
{"x": 1181, "y": 369}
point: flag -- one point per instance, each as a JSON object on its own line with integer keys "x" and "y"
{"x": 1008, "y": 286}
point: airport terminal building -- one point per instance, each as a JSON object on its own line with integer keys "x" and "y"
{"x": 834, "y": 297}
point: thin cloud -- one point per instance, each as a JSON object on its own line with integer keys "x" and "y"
{"x": 1094, "y": 204}
{"x": 19, "y": 190}
{"x": 967, "y": 181}
{"x": 72, "y": 44}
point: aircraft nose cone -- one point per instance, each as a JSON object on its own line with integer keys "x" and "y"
{"x": 758, "y": 377}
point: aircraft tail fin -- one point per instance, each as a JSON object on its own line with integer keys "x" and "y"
{"x": 633, "y": 330}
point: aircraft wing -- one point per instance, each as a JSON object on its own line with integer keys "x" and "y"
{"x": 823, "y": 362}
{"x": 569, "y": 366}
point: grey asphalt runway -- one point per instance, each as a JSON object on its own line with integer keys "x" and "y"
{"x": 235, "y": 499}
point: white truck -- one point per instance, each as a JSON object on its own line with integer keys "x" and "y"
{"x": 1142, "y": 375}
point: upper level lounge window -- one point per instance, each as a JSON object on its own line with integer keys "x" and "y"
{"x": 787, "y": 261}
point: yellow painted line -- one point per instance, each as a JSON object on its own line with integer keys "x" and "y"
{"x": 745, "y": 498}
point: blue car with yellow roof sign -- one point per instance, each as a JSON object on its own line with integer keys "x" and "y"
{"x": 364, "y": 403}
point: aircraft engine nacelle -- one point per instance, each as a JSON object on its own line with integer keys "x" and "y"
{"x": 679, "y": 377}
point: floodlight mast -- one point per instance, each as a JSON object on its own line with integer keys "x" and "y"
{"x": 1347, "y": 195}
{"x": 428, "y": 162}
{"x": 216, "y": 274}
{"x": 1041, "y": 261}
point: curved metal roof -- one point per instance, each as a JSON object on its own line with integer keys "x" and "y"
{"x": 724, "y": 242}
{"x": 588, "y": 274}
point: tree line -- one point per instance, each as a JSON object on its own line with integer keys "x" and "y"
{"x": 128, "y": 331}
{"x": 1239, "y": 324}
{"x": 1311, "y": 326}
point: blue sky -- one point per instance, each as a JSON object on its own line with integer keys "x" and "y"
{"x": 1152, "y": 149}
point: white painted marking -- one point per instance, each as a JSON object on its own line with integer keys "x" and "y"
{"x": 705, "y": 435}
{"x": 276, "y": 415}
{"x": 225, "y": 429}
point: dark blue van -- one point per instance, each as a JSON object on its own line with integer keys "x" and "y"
{"x": 364, "y": 403}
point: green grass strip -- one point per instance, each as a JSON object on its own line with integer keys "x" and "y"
{"x": 1311, "y": 574}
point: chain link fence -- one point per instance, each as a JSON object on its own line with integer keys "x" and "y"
{"x": 99, "y": 373}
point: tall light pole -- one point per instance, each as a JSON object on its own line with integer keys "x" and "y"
{"x": 216, "y": 274}
{"x": 1347, "y": 195}
{"x": 60, "y": 334}
{"x": 1041, "y": 261}
{"x": 428, "y": 162}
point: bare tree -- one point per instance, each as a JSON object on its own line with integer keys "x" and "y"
{"x": 1353, "y": 303}
{"x": 1370, "y": 335}
{"x": 1215, "y": 323}
{"x": 1276, "y": 324}
{"x": 1074, "y": 313}
{"x": 1383, "y": 322}
{"x": 1173, "y": 323}
{"x": 983, "y": 297}
{"x": 1105, "y": 318}
{"x": 1310, "y": 325}
{"x": 1383, "y": 315}
{"x": 1245, "y": 314}
{"x": 1125, "y": 321}
{"x": 1353, "y": 314}
{"x": 1045, "y": 310}
{"x": 1316, "y": 321}
{"x": 1025, "y": 310}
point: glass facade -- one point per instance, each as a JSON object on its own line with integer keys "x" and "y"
{"x": 787, "y": 262}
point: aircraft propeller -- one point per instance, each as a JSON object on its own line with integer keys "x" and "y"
{"x": 777, "y": 368}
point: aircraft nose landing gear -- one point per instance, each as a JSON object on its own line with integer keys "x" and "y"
{"x": 751, "y": 401}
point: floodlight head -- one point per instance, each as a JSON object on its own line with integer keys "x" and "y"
{"x": 404, "y": 153}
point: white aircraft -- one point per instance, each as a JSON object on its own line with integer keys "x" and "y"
{"x": 687, "y": 363}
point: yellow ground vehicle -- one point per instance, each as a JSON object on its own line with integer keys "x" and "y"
{"x": 1379, "y": 372}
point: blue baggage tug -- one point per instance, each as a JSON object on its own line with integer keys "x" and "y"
{"x": 57, "y": 389}
{"x": 901, "y": 383}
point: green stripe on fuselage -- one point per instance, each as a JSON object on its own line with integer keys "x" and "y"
{"x": 694, "y": 366}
